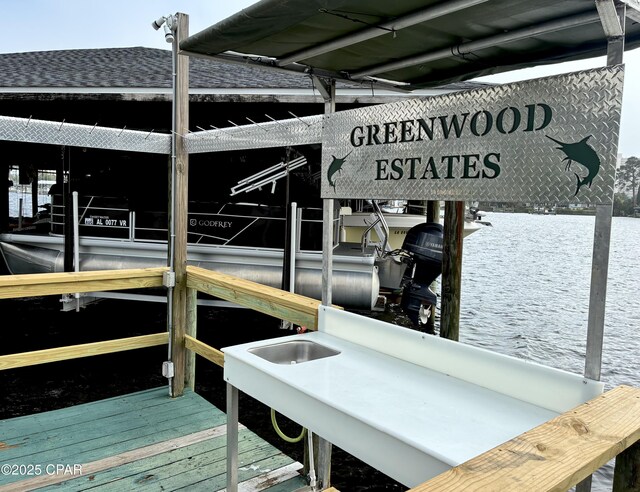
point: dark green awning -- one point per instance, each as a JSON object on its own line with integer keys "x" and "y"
{"x": 412, "y": 43}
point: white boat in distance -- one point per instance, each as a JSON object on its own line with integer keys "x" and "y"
{"x": 361, "y": 226}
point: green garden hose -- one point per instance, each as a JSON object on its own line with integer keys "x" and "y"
{"x": 282, "y": 434}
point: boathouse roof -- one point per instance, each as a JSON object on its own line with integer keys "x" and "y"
{"x": 148, "y": 70}
{"x": 415, "y": 44}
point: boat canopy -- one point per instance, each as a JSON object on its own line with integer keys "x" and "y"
{"x": 415, "y": 43}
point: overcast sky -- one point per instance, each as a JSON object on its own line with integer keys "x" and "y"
{"x": 42, "y": 25}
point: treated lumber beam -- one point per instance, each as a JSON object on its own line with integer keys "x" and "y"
{"x": 45, "y": 284}
{"x": 180, "y": 212}
{"x": 35, "y": 357}
{"x": 211, "y": 354}
{"x": 555, "y": 455}
{"x": 283, "y": 305}
{"x": 191, "y": 330}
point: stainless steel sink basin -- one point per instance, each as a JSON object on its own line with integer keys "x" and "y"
{"x": 293, "y": 352}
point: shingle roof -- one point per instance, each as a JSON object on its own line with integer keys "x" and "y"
{"x": 136, "y": 67}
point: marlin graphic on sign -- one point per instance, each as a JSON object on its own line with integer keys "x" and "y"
{"x": 582, "y": 153}
{"x": 334, "y": 167}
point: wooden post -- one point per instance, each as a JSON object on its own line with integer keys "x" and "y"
{"x": 626, "y": 475}
{"x": 451, "y": 270}
{"x": 191, "y": 330}
{"x": 181, "y": 209}
{"x": 433, "y": 211}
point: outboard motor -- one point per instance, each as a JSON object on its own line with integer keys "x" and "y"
{"x": 423, "y": 243}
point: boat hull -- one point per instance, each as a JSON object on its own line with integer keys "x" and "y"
{"x": 355, "y": 282}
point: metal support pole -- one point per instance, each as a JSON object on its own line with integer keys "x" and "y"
{"x": 324, "y": 447}
{"x": 598, "y": 292}
{"x": 286, "y": 254}
{"x": 601, "y": 244}
{"x": 76, "y": 243}
{"x": 66, "y": 203}
{"x": 327, "y": 217}
{"x": 20, "y": 205}
{"x": 600, "y": 261}
{"x": 232, "y": 438}
{"x": 4, "y": 198}
{"x": 292, "y": 246}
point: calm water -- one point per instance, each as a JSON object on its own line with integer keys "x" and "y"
{"x": 14, "y": 201}
{"x": 525, "y": 293}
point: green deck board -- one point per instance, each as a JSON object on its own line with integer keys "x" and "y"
{"x": 82, "y": 450}
{"x": 188, "y": 472}
{"x": 116, "y": 443}
{"x": 200, "y": 458}
{"x": 185, "y": 467}
{"x": 77, "y": 415}
{"x": 97, "y": 430}
{"x": 87, "y": 431}
{"x": 86, "y": 412}
{"x": 148, "y": 464}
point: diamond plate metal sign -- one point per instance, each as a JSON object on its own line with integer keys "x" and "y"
{"x": 280, "y": 133}
{"x": 552, "y": 139}
{"x": 96, "y": 137}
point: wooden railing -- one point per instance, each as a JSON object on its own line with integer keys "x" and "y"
{"x": 35, "y": 357}
{"x": 553, "y": 456}
{"x": 268, "y": 300}
{"x": 274, "y": 302}
{"x": 278, "y": 303}
{"x": 44, "y": 284}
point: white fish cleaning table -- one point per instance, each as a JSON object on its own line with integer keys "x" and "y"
{"x": 409, "y": 404}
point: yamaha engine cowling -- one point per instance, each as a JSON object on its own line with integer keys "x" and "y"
{"x": 423, "y": 243}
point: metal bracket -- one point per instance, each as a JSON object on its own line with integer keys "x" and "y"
{"x": 169, "y": 279}
{"x": 611, "y": 24}
{"x": 322, "y": 87}
{"x": 167, "y": 369}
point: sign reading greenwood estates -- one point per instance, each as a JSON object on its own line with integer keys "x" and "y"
{"x": 553, "y": 139}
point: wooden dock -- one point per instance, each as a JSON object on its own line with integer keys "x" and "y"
{"x": 140, "y": 441}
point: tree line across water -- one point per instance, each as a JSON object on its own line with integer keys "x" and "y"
{"x": 625, "y": 202}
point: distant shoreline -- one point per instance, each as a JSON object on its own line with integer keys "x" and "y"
{"x": 556, "y": 211}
